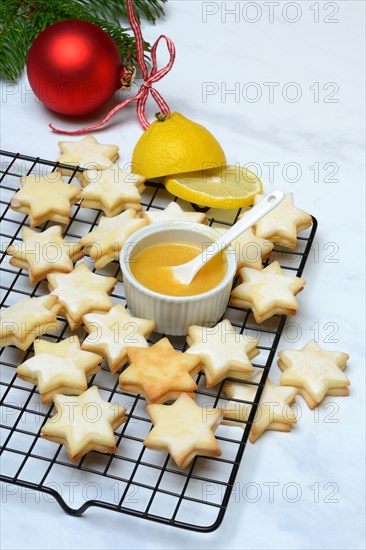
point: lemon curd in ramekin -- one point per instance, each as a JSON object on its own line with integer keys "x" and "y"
{"x": 152, "y": 267}
{"x": 158, "y": 297}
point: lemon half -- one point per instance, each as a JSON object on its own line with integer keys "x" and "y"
{"x": 224, "y": 187}
{"x": 174, "y": 144}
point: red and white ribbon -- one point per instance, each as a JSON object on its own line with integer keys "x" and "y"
{"x": 147, "y": 85}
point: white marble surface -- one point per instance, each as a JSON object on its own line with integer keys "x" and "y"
{"x": 324, "y": 452}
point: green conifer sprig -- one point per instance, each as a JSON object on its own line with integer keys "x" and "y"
{"x": 22, "y": 20}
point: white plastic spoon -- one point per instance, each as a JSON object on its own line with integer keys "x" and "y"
{"x": 185, "y": 273}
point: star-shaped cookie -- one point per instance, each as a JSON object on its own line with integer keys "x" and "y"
{"x": 87, "y": 153}
{"x": 84, "y": 423}
{"x": 43, "y": 253}
{"x": 110, "y": 334}
{"x": 250, "y": 250}
{"x": 274, "y": 410}
{"x": 184, "y": 429}
{"x": 223, "y": 351}
{"x": 160, "y": 373}
{"x": 267, "y": 292}
{"x": 283, "y": 224}
{"x": 105, "y": 242}
{"x": 173, "y": 212}
{"x": 45, "y": 198}
{"x": 27, "y": 319}
{"x": 59, "y": 368}
{"x": 314, "y": 371}
{"x": 112, "y": 190}
{"x": 81, "y": 292}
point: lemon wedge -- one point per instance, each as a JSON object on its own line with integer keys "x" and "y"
{"x": 223, "y": 187}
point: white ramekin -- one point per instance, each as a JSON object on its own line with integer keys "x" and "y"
{"x": 174, "y": 314}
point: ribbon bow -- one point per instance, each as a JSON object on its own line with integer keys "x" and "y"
{"x": 147, "y": 85}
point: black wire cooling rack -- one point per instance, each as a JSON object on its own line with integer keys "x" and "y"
{"x": 135, "y": 480}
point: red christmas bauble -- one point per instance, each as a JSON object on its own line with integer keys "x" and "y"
{"x": 74, "y": 67}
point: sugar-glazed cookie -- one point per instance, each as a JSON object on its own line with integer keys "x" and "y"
{"x": 44, "y": 252}
{"x": 112, "y": 190}
{"x": 184, "y": 429}
{"x": 105, "y": 242}
{"x": 27, "y": 319}
{"x": 81, "y": 292}
{"x": 160, "y": 372}
{"x": 274, "y": 410}
{"x": 315, "y": 372}
{"x": 112, "y": 333}
{"x": 223, "y": 351}
{"x": 86, "y": 153}
{"x": 173, "y": 212}
{"x": 283, "y": 224}
{"x": 59, "y": 368}
{"x": 84, "y": 423}
{"x": 45, "y": 198}
{"x": 267, "y": 292}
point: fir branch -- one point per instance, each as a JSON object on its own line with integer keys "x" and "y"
{"x": 116, "y": 9}
{"x": 151, "y": 10}
{"x": 21, "y": 21}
